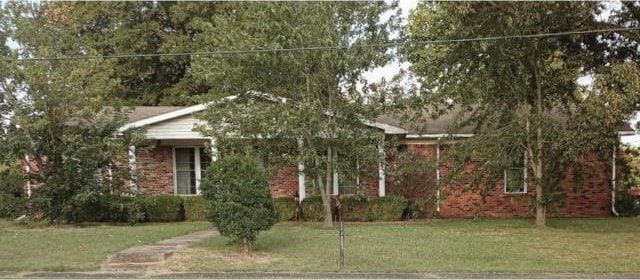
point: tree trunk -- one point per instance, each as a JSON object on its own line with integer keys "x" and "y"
{"x": 326, "y": 190}
{"x": 540, "y": 205}
{"x": 246, "y": 247}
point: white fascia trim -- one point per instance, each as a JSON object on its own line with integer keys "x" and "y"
{"x": 388, "y": 129}
{"x": 440, "y": 135}
{"x": 170, "y": 115}
{"x": 626, "y": 133}
{"x": 163, "y": 117}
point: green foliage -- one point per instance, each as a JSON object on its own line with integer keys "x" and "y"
{"x": 312, "y": 209}
{"x": 194, "y": 208}
{"x": 111, "y": 28}
{"x": 163, "y": 208}
{"x": 59, "y": 108}
{"x": 627, "y": 205}
{"x": 316, "y": 97}
{"x": 355, "y": 209}
{"x": 240, "y": 200}
{"x": 108, "y": 208}
{"x": 414, "y": 178}
{"x": 286, "y": 207}
{"x": 387, "y": 208}
{"x": 12, "y": 196}
{"x": 362, "y": 209}
{"x": 520, "y": 95}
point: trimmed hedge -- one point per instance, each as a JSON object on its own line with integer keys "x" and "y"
{"x": 362, "y": 209}
{"x": 355, "y": 209}
{"x": 286, "y": 208}
{"x": 358, "y": 209}
{"x": 121, "y": 209}
{"x": 387, "y": 208}
{"x": 163, "y": 208}
{"x": 107, "y": 208}
{"x": 194, "y": 208}
{"x": 312, "y": 209}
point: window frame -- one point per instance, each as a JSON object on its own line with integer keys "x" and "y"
{"x": 524, "y": 177}
{"x": 197, "y": 168}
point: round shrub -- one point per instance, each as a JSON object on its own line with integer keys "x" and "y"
{"x": 194, "y": 208}
{"x": 240, "y": 200}
{"x": 163, "y": 208}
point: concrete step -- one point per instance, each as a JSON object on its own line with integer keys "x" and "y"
{"x": 129, "y": 266}
{"x": 146, "y": 256}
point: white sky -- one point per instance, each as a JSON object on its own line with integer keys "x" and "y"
{"x": 390, "y": 70}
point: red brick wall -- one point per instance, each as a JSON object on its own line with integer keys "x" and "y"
{"x": 155, "y": 174}
{"x": 592, "y": 199}
{"x": 155, "y": 171}
{"x": 284, "y": 182}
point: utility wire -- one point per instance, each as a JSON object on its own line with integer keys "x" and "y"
{"x": 317, "y": 48}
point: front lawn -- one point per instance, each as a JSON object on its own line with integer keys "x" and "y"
{"x": 63, "y": 248}
{"x": 568, "y": 245}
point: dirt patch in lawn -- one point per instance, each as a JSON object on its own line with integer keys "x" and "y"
{"x": 204, "y": 259}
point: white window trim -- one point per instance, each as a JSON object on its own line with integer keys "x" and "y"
{"x": 524, "y": 181}
{"x": 336, "y": 178}
{"x": 198, "y": 170}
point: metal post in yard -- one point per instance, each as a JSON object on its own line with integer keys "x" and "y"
{"x": 341, "y": 244}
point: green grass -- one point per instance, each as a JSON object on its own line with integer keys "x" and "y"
{"x": 567, "y": 245}
{"x": 73, "y": 248}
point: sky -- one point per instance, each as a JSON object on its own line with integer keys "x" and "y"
{"x": 390, "y": 70}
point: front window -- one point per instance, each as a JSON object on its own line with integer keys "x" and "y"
{"x": 515, "y": 176}
{"x": 190, "y": 166}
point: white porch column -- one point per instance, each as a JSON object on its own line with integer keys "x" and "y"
{"x": 214, "y": 150}
{"x": 438, "y": 176}
{"x": 28, "y": 171}
{"x": 381, "y": 175}
{"x": 133, "y": 169}
{"x": 301, "y": 187}
{"x": 335, "y": 173}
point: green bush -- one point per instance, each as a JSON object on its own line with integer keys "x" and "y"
{"x": 163, "y": 208}
{"x": 194, "y": 208}
{"x": 627, "y": 205}
{"x": 106, "y": 208}
{"x": 355, "y": 209}
{"x": 387, "y": 208}
{"x": 123, "y": 209}
{"x": 12, "y": 196}
{"x": 240, "y": 200}
{"x": 312, "y": 209}
{"x": 286, "y": 208}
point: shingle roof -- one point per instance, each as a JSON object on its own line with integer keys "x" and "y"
{"x": 427, "y": 125}
{"x": 423, "y": 123}
{"x": 144, "y": 112}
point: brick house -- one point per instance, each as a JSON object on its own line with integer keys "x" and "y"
{"x": 178, "y": 159}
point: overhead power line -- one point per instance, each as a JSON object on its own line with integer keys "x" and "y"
{"x": 319, "y": 48}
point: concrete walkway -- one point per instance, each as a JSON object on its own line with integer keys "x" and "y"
{"x": 142, "y": 258}
{"x": 312, "y": 275}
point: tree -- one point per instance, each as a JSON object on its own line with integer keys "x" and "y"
{"x": 316, "y": 97}
{"x": 124, "y": 28}
{"x": 240, "y": 203}
{"x": 58, "y": 117}
{"x": 518, "y": 92}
